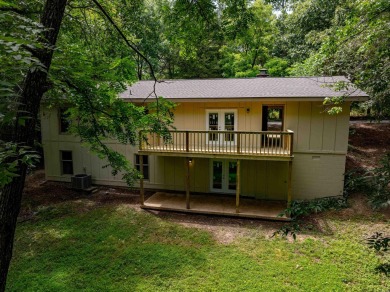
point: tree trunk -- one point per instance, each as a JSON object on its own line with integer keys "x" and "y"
{"x": 34, "y": 86}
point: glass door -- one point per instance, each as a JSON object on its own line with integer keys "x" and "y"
{"x": 229, "y": 126}
{"x": 223, "y": 176}
{"x": 221, "y": 120}
{"x": 232, "y": 176}
{"x": 213, "y": 125}
{"x": 217, "y": 175}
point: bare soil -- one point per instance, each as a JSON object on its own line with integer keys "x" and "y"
{"x": 368, "y": 143}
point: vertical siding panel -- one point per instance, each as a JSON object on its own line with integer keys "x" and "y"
{"x": 329, "y": 132}
{"x": 317, "y": 123}
{"x": 256, "y": 116}
{"x": 342, "y": 129}
{"x": 159, "y": 170}
{"x": 179, "y": 172}
{"x": 303, "y": 131}
{"x": 242, "y": 119}
{"x": 201, "y": 175}
{"x": 45, "y": 123}
{"x": 277, "y": 180}
{"x": 291, "y": 118}
{"x": 169, "y": 172}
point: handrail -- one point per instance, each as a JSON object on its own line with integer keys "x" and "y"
{"x": 260, "y": 143}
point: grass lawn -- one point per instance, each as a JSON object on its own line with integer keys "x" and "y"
{"x": 84, "y": 245}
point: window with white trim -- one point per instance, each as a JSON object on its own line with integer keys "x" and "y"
{"x": 66, "y": 162}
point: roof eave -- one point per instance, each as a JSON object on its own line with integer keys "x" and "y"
{"x": 241, "y": 99}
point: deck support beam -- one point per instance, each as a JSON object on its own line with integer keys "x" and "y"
{"x": 141, "y": 181}
{"x": 238, "y": 187}
{"x": 289, "y": 194}
{"x": 188, "y": 162}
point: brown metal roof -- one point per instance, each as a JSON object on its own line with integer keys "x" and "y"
{"x": 241, "y": 88}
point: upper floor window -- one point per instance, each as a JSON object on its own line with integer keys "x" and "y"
{"x": 273, "y": 118}
{"x": 66, "y": 162}
{"x": 145, "y": 165}
{"x": 64, "y": 122}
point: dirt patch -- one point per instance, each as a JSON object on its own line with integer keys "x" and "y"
{"x": 224, "y": 229}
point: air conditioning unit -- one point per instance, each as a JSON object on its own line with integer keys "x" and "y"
{"x": 81, "y": 181}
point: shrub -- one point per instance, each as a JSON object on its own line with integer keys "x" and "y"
{"x": 378, "y": 184}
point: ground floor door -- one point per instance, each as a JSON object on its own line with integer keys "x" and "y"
{"x": 223, "y": 176}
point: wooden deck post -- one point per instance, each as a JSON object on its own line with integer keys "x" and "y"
{"x": 141, "y": 181}
{"x": 187, "y": 183}
{"x": 292, "y": 144}
{"x": 140, "y": 140}
{"x": 289, "y": 195}
{"x": 238, "y": 186}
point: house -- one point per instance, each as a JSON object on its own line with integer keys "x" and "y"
{"x": 240, "y": 145}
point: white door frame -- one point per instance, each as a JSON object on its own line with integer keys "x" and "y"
{"x": 221, "y": 123}
{"x": 225, "y": 176}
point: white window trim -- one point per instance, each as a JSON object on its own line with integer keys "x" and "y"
{"x": 137, "y": 164}
{"x": 61, "y": 163}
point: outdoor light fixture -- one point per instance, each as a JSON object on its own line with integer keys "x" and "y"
{"x": 190, "y": 160}
{"x": 248, "y": 110}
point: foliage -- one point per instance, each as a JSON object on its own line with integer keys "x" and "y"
{"x": 353, "y": 181}
{"x": 301, "y": 208}
{"x": 356, "y": 45}
{"x": 277, "y": 67}
{"x": 10, "y": 157}
{"x": 303, "y": 30}
{"x": 288, "y": 229}
{"x": 91, "y": 76}
{"x": 378, "y": 184}
{"x": 18, "y": 39}
{"x": 248, "y": 30}
{"x": 374, "y": 183}
{"x": 378, "y": 242}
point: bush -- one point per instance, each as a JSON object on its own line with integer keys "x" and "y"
{"x": 302, "y": 208}
{"x": 378, "y": 184}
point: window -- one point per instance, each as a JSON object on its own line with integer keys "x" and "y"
{"x": 273, "y": 116}
{"x": 66, "y": 162}
{"x": 145, "y": 163}
{"x": 63, "y": 120}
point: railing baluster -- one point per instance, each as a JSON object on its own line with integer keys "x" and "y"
{"x": 238, "y": 142}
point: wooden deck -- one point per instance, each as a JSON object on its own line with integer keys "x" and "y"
{"x": 215, "y": 204}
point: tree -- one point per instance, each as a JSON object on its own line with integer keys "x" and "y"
{"x": 248, "y": 29}
{"x": 357, "y": 45}
{"x": 277, "y": 67}
{"x": 34, "y": 85}
{"x": 302, "y": 31}
{"x": 80, "y": 74}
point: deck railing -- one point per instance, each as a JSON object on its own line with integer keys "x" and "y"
{"x": 266, "y": 143}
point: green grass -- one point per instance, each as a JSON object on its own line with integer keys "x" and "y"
{"x": 115, "y": 248}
